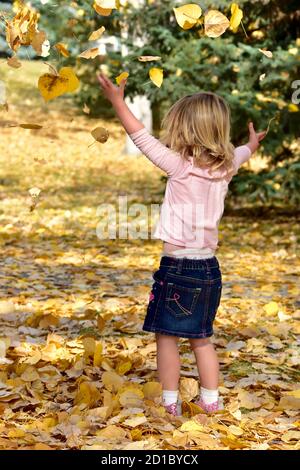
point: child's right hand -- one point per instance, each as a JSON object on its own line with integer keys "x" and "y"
{"x": 112, "y": 92}
{"x": 255, "y": 138}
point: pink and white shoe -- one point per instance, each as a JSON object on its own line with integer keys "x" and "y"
{"x": 172, "y": 409}
{"x": 211, "y": 407}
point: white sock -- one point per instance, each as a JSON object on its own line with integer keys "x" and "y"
{"x": 169, "y": 397}
{"x": 209, "y": 396}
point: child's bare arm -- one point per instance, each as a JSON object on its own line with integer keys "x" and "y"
{"x": 115, "y": 95}
{"x": 159, "y": 154}
{"x": 244, "y": 152}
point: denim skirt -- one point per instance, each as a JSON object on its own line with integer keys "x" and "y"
{"x": 184, "y": 298}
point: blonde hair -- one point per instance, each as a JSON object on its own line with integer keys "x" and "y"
{"x": 198, "y": 125}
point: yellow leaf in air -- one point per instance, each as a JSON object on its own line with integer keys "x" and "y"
{"x": 86, "y": 109}
{"x": 31, "y": 126}
{"x": 271, "y": 308}
{"x": 293, "y": 108}
{"x": 14, "y": 62}
{"x": 112, "y": 381}
{"x": 148, "y": 58}
{"x": 156, "y": 76}
{"x": 105, "y": 7}
{"x": 96, "y": 34}
{"x": 236, "y": 17}
{"x": 215, "y": 24}
{"x": 187, "y": 15}
{"x": 100, "y": 134}
{"x": 266, "y": 53}
{"x": 38, "y": 40}
{"x": 121, "y": 77}
{"x": 62, "y": 48}
{"x": 90, "y": 53}
{"x": 51, "y": 86}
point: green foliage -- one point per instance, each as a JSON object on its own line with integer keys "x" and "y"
{"x": 231, "y": 66}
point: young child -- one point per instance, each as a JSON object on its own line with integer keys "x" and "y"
{"x": 196, "y": 154}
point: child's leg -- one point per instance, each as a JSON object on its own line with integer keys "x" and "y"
{"x": 208, "y": 369}
{"x": 168, "y": 366}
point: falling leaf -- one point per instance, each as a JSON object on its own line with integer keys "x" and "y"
{"x": 187, "y": 15}
{"x": 38, "y": 42}
{"x": 121, "y": 77}
{"x": 268, "y": 54}
{"x": 90, "y": 53}
{"x": 86, "y": 109}
{"x": 105, "y": 7}
{"x": 215, "y": 24}
{"x": 14, "y": 62}
{"x": 96, "y": 34}
{"x": 34, "y": 192}
{"x": 62, "y": 48}
{"x": 100, "y": 134}
{"x": 236, "y": 17}
{"x": 156, "y": 76}
{"x": 51, "y": 85}
{"x": 31, "y": 126}
{"x": 148, "y": 58}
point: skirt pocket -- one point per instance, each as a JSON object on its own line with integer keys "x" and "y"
{"x": 181, "y": 301}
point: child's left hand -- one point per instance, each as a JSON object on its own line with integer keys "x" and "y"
{"x": 112, "y": 92}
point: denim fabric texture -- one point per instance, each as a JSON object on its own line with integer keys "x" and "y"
{"x": 185, "y": 297}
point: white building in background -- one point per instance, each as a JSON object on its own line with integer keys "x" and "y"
{"x": 141, "y": 105}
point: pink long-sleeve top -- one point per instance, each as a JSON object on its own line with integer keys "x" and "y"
{"x": 194, "y": 199}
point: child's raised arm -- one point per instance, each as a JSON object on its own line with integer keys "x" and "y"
{"x": 244, "y": 152}
{"x": 159, "y": 154}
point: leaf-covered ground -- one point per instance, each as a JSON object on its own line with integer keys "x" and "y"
{"x": 76, "y": 370}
